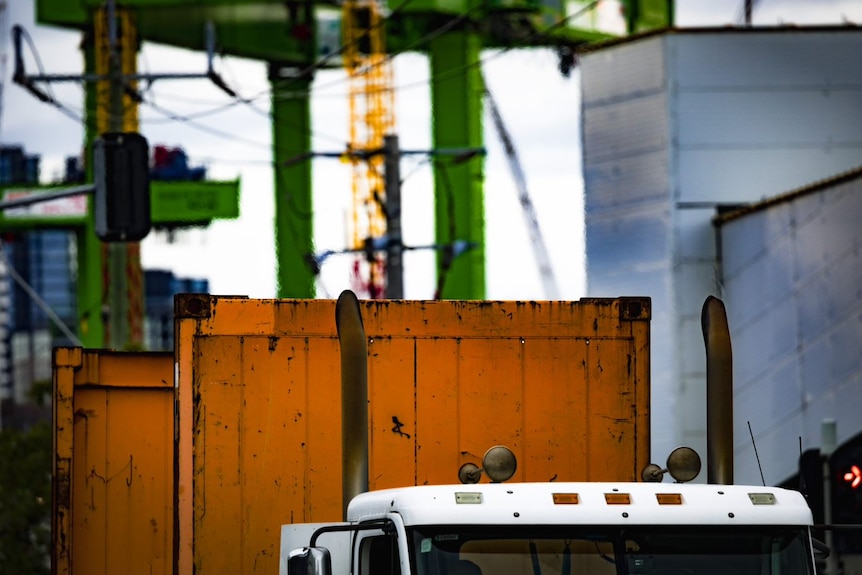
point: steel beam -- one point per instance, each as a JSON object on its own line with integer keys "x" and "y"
{"x": 294, "y": 217}
{"x": 456, "y": 104}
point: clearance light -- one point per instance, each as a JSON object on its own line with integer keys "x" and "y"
{"x": 566, "y": 499}
{"x": 468, "y": 497}
{"x": 669, "y": 498}
{"x": 762, "y": 498}
{"x": 618, "y": 499}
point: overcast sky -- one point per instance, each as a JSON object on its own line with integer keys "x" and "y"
{"x": 238, "y": 256}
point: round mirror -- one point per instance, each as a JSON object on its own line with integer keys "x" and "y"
{"x": 469, "y": 473}
{"x": 652, "y": 473}
{"x": 499, "y": 463}
{"x": 683, "y": 464}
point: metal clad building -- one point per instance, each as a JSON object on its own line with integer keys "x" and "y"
{"x": 802, "y": 253}
{"x": 679, "y": 124}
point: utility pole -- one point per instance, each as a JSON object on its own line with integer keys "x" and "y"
{"x": 391, "y": 241}
{"x": 394, "y": 243}
{"x": 110, "y": 279}
{"x": 828, "y": 441}
{"x": 116, "y": 54}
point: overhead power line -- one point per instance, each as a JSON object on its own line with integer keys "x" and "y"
{"x": 522, "y": 42}
{"x": 28, "y": 82}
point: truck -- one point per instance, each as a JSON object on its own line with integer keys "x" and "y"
{"x": 228, "y": 453}
{"x": 557, "y": 528}
{"x": 190, "y": 460}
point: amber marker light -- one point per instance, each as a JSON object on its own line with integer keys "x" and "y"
{"x": 618, "y": 498}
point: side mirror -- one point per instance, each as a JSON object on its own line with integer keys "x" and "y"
{"x": 309, "y": 561}
{"x": 821, "y": 550}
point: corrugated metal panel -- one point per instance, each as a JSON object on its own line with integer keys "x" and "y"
{"x": 627, "y": 183}
{"x": 113, "y": 463}
{"x": 750, "y": 121}
{"x": 627, "y": 169}
{"x": 564, "y": 384}
{"x": 770, "y": 117}
{"x": 628, "y": 240}
{"x": 746, "y": 58}
{"x": 624, "y": 72}
{"x": 746, "y": 175}
{"x": 793, "y": 272}
{"x": 747, "y": 114}
{"x": 625, "y": 128}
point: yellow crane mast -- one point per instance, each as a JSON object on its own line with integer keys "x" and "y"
{"x": 372, "y": 116}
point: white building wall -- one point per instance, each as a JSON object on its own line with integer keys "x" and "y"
{"x": 802, "y": 257}
{"x": 678, "y": 124}
{"x": 626, "y": 171}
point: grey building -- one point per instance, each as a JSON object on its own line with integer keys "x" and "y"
{"x": 801, "y": 255}
{"x": 678, "y": 126}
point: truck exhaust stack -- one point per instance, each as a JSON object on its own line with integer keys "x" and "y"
{"x": 354, "y": 397}
{"x": 719, "y": 392}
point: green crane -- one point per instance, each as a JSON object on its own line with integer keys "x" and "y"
{"x": 451, "y": 32}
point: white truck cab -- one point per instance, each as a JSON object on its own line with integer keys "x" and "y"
{"x": 555, "y": 528}
{"x": 560, "y": 529}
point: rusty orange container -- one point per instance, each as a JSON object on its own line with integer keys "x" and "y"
{"x": 190, "y": 462}
{"x": 563, "y": 384}
{"x": 113, "y": 476}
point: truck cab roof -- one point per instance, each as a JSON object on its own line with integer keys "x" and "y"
{"x": 585, "y": 503}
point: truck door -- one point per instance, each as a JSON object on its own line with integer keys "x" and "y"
{"x": 378, "y": 555}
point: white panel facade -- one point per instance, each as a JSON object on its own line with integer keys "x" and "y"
{"x": 793, "y": 287}
{"x": 628, "y": 216}
{"x": 678, "y": 125}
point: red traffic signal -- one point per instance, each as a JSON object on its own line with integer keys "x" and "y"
{"x": 846, "y": 464}
{"x": 853, "y": 477}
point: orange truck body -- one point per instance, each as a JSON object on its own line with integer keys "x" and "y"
{"x": 190, "y": 462}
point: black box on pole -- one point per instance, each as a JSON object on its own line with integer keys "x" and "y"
{"x": 122, "y": 187}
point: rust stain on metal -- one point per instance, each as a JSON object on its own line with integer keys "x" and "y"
{"x": 192, "y": 306}
{"x": 635, "y": 308}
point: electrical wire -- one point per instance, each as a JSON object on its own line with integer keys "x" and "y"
{"x": 35, "y": 53}
{"x": 434, "y": 34}
{"x": 237, "y": 100}
{"x": 209, "y": 160}
{"x": 276, "y": 90}
{"x": 205, "y": 128}
{"x": 67, "y": 112}
{"x": 454, "y": 72}
{"x": 189, "y": 119}
{"x": 322, "y": 61}
{"x": 250, "y": 104}
{"x": 520, "y": 43}
{"x": 46, "y": 96}
{"x": 37, "y": 299}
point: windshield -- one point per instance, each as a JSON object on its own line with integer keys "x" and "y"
{"x": 579, "y": 550}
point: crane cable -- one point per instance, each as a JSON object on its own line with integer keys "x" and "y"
{"x": 540, "y": 250}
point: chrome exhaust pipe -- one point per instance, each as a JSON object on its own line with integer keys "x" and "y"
{"x": 719, "y": 392}
{"x": 354, "y": 398}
